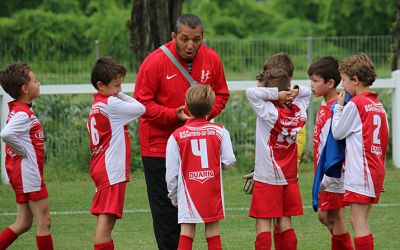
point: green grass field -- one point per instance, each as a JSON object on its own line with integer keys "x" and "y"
{"x": 73, "y": 226}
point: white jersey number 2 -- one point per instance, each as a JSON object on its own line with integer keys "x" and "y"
{"x": 199, "y": 148}
{"x": 377, "y": 123}
{"x": 93, "y": 131}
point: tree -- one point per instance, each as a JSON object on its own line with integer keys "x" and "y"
{"x": 396, "y": 31}
{"x": 151, "y": 24}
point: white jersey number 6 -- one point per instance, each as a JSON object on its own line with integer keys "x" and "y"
{"x": 93, "y": 132}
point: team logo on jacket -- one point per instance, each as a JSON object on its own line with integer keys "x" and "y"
{"x": 205, "y": 75}
{"x": 201, "y": 176}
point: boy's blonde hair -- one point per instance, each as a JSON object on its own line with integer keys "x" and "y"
{"x": 360, "y": 66}
{"x": 200, "y": 100}
{"x": 279, "y": 60}
{"x": 277, "y": 78}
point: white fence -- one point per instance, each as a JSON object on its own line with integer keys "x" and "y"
{"x": 390, "y": 83}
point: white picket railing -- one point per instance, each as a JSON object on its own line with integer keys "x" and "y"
{"x": 390, "y": 83}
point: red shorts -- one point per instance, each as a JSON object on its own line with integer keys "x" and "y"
{"x": 32, "y": 196}
{"x": 351, "y": 197}
{"x": 109, "y": 200}
{"x": 275, "y": 201}
{"x": 330, "y": 201}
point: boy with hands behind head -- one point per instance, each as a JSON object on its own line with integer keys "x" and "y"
{"x": 23, "y": 135}
{"x": 107, "y": 123}
{"x": 281, "y": 113}
{"x": 196, "y": 153}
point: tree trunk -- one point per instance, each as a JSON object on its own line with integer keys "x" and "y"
{"x": 151, "y": 24}
{"x": 396, "y": 31}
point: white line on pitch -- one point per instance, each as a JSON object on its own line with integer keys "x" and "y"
{"x": 146, "y": 210}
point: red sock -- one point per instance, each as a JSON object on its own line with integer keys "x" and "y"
{"x": 185, "y": 242}
{"x": 342, "y": 242}
{"x": 263, "y": 241}
{"x": 288, "y": 240}
{"x": 277, "y": 237}
{"x": 104, "y": 246}
{"x": 7, "y": 237}
{"x": 364, "y": 242}
{"x": 44, "y": 242}
{"x": 214, "y": 242}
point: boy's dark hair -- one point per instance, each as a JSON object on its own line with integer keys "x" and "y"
{"x": 200, "y": 100}
{"x": 189, "y": 20}
{"x": 361, "y": 66}
{"x": 13, "y": 77}
{"x": 277, "y": 78}
{"x": 326, "y": 67}
{"x": 105, "y": 70}
{"x": 279, "y": 60}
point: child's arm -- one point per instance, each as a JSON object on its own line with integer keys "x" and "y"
{"x": 11, "y": 133}
{"x": 172, "y": 163}
{"x": 124, "y": 108}
{"x": 258, "y": 96}
{"x": 227, "y": 156}
{"x": 343, "y": 120}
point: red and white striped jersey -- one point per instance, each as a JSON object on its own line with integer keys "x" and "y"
{"x": 109, "y": 138}
{"x": 363, "y": 122}
{"x": 321, "y": 130}
{"x": 195, "y": 154}
{"x": 23, "y": 135}
{"x": 276, "y": 134}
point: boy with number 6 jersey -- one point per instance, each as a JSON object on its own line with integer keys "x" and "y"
{"x": 281, "y": 113}
{"x": 363, "y": 123}
{"x": 196, "y": 153}
{"x": 111, "y": 111}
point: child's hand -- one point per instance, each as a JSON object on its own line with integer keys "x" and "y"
{"x": 181, "y": 115}
{"x": 341, "y": 97}
{"x": 283, "y": 95}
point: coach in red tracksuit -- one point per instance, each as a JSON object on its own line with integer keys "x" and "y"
{"x": 161, "y": 88}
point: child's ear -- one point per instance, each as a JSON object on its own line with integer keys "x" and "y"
{"x": 356, "y": 80}
{"x": 99, "y": 85}
{"x": 24, "y": 89}
{"x": 331, "y": 83}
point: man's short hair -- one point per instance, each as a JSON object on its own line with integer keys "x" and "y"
{"x": 360, "y": 66}
{"x": 105, "y": 70}
{"x": 277, "y": 78}
{"x": 279, "y": 60}
{"x": 13, "y": 77}
{"x": 189, "y": 20}
{"x": 200, "y": 100}
{"x": 326, "y": 67}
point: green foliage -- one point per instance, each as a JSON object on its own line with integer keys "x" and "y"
{"x": 286, "y": 18}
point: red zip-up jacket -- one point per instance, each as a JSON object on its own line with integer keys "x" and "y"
{"x": 161, "y": 88}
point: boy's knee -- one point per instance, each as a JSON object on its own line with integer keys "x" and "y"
{"x": 44, "y": 222}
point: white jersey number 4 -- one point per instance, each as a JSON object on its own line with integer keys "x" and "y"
{"x": 377, "y": 123}
{"x": 93, "y": 131}
{"x": 199, "y": 148}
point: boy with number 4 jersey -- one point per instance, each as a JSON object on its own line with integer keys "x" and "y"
{"x": 196, "y": 153}
{"x": 281, "y": 113}
{"x": 111, "y": 111}
{"x": 363, "y": 123}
